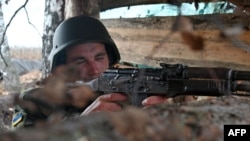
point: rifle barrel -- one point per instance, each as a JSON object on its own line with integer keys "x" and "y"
{"x": 216, "y": 73}
{"x": 243, "y": 87}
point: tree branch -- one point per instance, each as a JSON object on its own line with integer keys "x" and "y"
{"x": 6, "y": 28}
{"x": 27, "y": 15}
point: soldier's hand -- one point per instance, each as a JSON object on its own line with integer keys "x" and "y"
{"x": 107, "y": 102}
{"x": 154, "y": 100}
{"x": 80, "y": 96}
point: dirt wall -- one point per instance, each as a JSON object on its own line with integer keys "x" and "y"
{"x": 212, "y": 40}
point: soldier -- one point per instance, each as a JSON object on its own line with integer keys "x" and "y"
{"x": 84, "y": 42}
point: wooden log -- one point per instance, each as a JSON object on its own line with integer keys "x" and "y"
{"x": 109, "y": 4}
{"x": 152, "y": 41}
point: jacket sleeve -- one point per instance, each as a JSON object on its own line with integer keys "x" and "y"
{"x": 22, "y": 118}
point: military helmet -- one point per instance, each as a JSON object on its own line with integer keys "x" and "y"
{"x": 80, "y": 29}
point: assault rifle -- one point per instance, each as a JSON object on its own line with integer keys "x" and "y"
{"x": 172, "y": 80}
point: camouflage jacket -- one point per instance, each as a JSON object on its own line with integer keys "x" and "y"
{"x": 24, "y": 115}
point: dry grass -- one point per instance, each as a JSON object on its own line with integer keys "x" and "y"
{"x": 29, "y": 79}
{"x": 26, "y": 53}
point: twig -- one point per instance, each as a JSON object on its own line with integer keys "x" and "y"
{"x": 4, "y": 33}
{"x": 31, "y": 22}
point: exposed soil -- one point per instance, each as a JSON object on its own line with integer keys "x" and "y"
{"x": 193, "y": 121}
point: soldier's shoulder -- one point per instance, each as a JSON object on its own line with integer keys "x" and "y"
{"x": 20, "y": 115}
{"x": 27, "y": 92}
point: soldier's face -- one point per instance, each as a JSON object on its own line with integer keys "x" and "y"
{"x": 91, "y": 59}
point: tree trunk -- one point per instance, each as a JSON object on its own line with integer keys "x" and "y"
{"x": 81, "y": 7}
{"x": 11, "y": 80}
{"x": 54, "y": 14}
